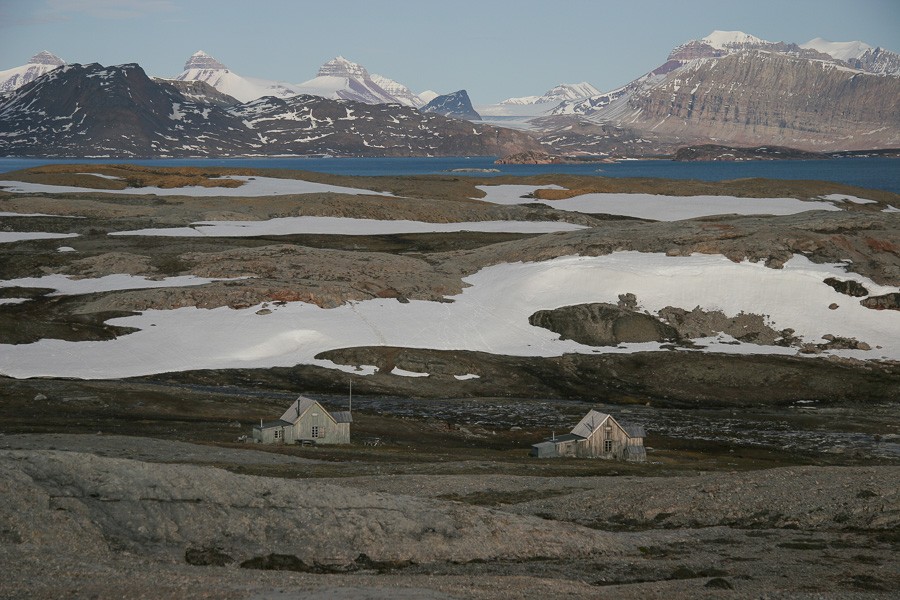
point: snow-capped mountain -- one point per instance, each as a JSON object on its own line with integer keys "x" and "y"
{"x": 734, "y": 87}
{"x": 398, "y": 91}
{"x": 203, "y": 67}
{"x": 39, "y": 64}
{"x": 859, "y": 55}
{"x": 518, "y": 110}
{"x": 91, "y": 110}
{"x": 733, "y": 40}
{"x": 557, "y": 94}
{"x": 341, "y": 79}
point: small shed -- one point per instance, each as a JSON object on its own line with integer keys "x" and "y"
{"x": 306, "y": 421}
{"x": 597, "y": 435}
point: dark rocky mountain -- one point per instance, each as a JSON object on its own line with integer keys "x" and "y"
{"x": 91, "y": 110}
{"x": 456, "y": 105}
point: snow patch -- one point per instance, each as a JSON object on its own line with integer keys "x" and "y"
{"x": 253, "y": 186}
{"x": 66, "y": 286}
{"x": 7, "y": 237}
{"x": 655, "y": 207}
{"x": 405, "y": 373}
{"x": 346, "y": 226}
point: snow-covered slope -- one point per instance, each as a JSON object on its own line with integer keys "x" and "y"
{"x": 203, "y": 67}
{"x": 840, "y": 50}
{"x": 730, "y": 40}
{"x": 427, "y": 96}
{"x": 398, "y": 91}
{"x": 39, "y": 64}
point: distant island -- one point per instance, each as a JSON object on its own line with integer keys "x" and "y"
{"x": 720, "y": 153}
{"x": 532, "y": 157}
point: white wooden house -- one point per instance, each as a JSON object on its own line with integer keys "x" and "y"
{"x": 306, "y": 422}
{"x": 597, "y": 435}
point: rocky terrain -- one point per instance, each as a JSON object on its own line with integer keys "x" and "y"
{"x": 717, "y": 152}
{"x": 768, "y": 473}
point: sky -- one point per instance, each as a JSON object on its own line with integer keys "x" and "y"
{"x": 494, "y": 49}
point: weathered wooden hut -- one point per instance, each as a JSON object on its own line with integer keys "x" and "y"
{"x": 597, "y": 435}
{"x": 306, "y": 421}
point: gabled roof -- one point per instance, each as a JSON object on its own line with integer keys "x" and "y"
{"x": 589, "y": 424}
{"x": 271, "y": 424}
{"x": 296, "y": 410}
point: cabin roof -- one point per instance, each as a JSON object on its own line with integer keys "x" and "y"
{"x": 589, "y": 424}
{"x": 634, "y": 431}
{"x": 342, "y": 416}
{"x": 547, "y": 444}
{"x": 295, "y": 410}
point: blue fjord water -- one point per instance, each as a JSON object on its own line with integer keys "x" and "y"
{"x": 875, "y": 173}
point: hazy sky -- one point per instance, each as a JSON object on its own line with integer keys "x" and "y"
{"x": 494, "y": 49}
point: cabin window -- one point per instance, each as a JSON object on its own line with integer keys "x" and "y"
{"x": 279, "y": 434}
{"x": 315, "y": 431}
{"x": 607, "y": 446}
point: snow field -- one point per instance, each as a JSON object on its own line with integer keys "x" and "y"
{"x": 655, "y": 207}
{"x": 253, "y": 186}
{"x": 7, "y": 237}
{"x": 346, "y": 226}
{"x": 66, "y": 286}
{"x": 491, "y": 315}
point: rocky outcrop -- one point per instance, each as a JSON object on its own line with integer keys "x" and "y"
{"x": 848, "y": 287}
{"x": 601, "y": 324}
{"x": 885, "y": 302}
{"x": 456, "y": 105}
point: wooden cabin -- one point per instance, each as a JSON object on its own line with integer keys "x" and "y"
{"x": 306, "y": 422}
{"x": 597, "y": 435}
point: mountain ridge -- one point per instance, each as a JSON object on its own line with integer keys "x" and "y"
{"x": 118, "y": 111}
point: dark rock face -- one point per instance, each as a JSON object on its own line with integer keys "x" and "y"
{"x": 118, "y": 111}
{"x": 202, "y": 60}
{"x": 456, "y": 105}
{"x": 886, "y": 302}
{"x": 601, "y": 324}
{"x": 767, "y": 98}
{"x": 46, "y": 58}
{"x": 850, "y": 287}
